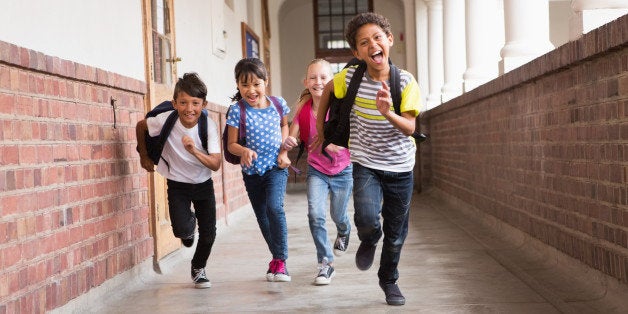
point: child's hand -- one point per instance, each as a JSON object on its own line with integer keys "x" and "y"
{"x": 290, "y": 143}
{"x": 188, "y": 143}
{"x": 383, "y": 100}
{"x": 283, "y": 161}
{"x": 248, "y": 156}
{"x": 147, "y": 163}
{"x": 333, "y": 149}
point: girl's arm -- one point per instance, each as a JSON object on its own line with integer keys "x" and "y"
{"x": 282, "y": 160}
{"x": 246, "y": 155}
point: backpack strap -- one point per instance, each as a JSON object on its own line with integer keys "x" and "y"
{"x": 346, "y": 105}
{"x": 202, "y": 129}
{"x": 395, "y": 88}
{"x": 165, "y": 132}
{"x": 242, "y": 127}
{"x": 275, "y": 102}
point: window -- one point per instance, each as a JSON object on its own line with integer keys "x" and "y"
{"x": 330, "y": 19}
{"x": 162, "y": 60}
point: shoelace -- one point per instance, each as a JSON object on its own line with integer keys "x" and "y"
{"x": 341, "y": 243}
{"x": 200, "y": 274}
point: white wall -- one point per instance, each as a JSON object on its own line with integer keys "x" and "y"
{"x": 102, "y": 34}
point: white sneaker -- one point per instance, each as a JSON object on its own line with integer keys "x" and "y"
{"x": 325, "y": 273}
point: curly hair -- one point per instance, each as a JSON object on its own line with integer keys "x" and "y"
{"x": 362, "y": 19}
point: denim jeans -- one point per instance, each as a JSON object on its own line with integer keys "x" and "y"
{"x": 180, "y": 197}
{"x": 385, "y": 193}
{"x": 337, "y": 188}
{"x": 266, "y": 193}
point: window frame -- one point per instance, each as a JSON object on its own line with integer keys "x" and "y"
{"x": 333, "y": 55}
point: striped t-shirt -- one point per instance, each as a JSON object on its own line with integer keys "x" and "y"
{"x": 373, "y": 141}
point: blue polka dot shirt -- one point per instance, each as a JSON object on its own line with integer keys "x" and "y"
{"x": 263, "y": 133}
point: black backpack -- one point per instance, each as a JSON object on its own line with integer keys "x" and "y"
{"x": 336, "y": 128}
{"x": 155, "y": 144}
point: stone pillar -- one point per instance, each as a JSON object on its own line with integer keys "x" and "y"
{"x": 422, "y": 78}
{"x": 591, "y": 14}
{"x": 484, "y": 39}
{"x": 453, "y": 48}
{"x": 435, "y": 51}
{"x": 527, "y": 32}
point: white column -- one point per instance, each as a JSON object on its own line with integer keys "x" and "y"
{"x": 484, "y": 39}
{"x": 527, "y": 32}
{"x": 453, "y": 48}
{"x": 435, "y": 51}
{"x": 591, "y": 14}
{"x": 422, "y": 78}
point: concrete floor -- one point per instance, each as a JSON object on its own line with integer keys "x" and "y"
{"x": 450, "y": 263}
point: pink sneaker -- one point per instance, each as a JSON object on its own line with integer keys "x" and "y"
{"x": 281, "y": 271}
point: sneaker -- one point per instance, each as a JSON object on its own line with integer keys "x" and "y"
{"x": 188, "y": 241}
{"x": 325, "y": 273}
{"x": 281, "y": 271}
{"x": 364, "y": 256}
{"x": 393, "y": 294}
{"x": 270, "y": 273}
{"x": 341, "y": 245}
{"x": 200, "y": 279}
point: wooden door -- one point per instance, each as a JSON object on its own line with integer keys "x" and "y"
{"x": 161, "y": 75}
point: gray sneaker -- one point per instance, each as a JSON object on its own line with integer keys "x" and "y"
{"x": 341, "y": 244}
{"x": 325, "y": 273}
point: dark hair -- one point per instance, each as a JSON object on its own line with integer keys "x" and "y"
{"x": 246, "y": 68}
{"x": 192, "y": 85}
{"x": 362, "y": 19}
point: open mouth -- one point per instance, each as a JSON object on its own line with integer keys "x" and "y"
{"x": 377, "y": 57}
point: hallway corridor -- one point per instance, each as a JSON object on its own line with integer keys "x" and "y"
{"x": 450, "y": 264}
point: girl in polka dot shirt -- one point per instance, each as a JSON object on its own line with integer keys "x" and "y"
{"x": 264, "y": 163}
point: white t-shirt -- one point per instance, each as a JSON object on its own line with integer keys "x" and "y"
{"x": 182, "y": 166}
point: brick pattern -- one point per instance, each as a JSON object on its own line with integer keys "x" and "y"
{"x": 73, "y": 197}
{"x": 544, "y": 149}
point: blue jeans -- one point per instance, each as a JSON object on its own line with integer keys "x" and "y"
{"x": 266, "y": 193}
{"x": 180, "y": 197}
{"x": 337, "y": 188}
{"x": 385, "y": 193}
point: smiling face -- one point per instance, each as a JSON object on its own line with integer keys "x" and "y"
{"x": 318, "y": 74}
{"x": 373, "y": 46}
{"x": 189, "y": 108}
{"x": 252, "y": 89}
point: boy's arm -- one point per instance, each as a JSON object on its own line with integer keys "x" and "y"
{"x": 405, "y": 122}
{"x": 140, "y": 133}
{"x": 211, "y": 161}
{"x": 323, "y": 106}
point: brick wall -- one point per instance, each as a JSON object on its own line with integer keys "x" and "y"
{"x": 544, "y": 149}
{"x": 73, "y": 197}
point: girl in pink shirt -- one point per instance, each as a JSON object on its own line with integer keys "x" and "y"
{"x": 326, "y": 178}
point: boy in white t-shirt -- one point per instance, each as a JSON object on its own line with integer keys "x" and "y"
{"x": 188, "y": 169}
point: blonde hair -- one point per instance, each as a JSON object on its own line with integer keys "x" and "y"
{"x": 305, "y": 94}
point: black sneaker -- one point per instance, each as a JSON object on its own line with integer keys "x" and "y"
{"x": 393, "y": 294}
{"x": 200, "y": 279}
{"x": 325, "y": 273}
{"x": 341, "y": 245}
{"x": 364, "y": 256}
{"x": 188, "y": 241}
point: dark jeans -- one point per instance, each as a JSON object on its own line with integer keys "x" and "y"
{"x": 385, "y": 193}
{"x": 180, "y": 197}
{"x": 266, "y": 193}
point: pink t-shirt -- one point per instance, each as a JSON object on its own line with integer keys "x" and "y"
{"x": 340, "y": 159}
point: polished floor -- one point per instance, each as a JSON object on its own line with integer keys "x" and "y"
{"x": 450, "y": 263}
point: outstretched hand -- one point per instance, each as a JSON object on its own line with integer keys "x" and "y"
{"x": 383, "y": 99}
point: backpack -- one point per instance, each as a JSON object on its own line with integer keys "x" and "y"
{"x": 229, "y": 157}
{"x": 336, "y": 128}
{"x": 155, "y": 144}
